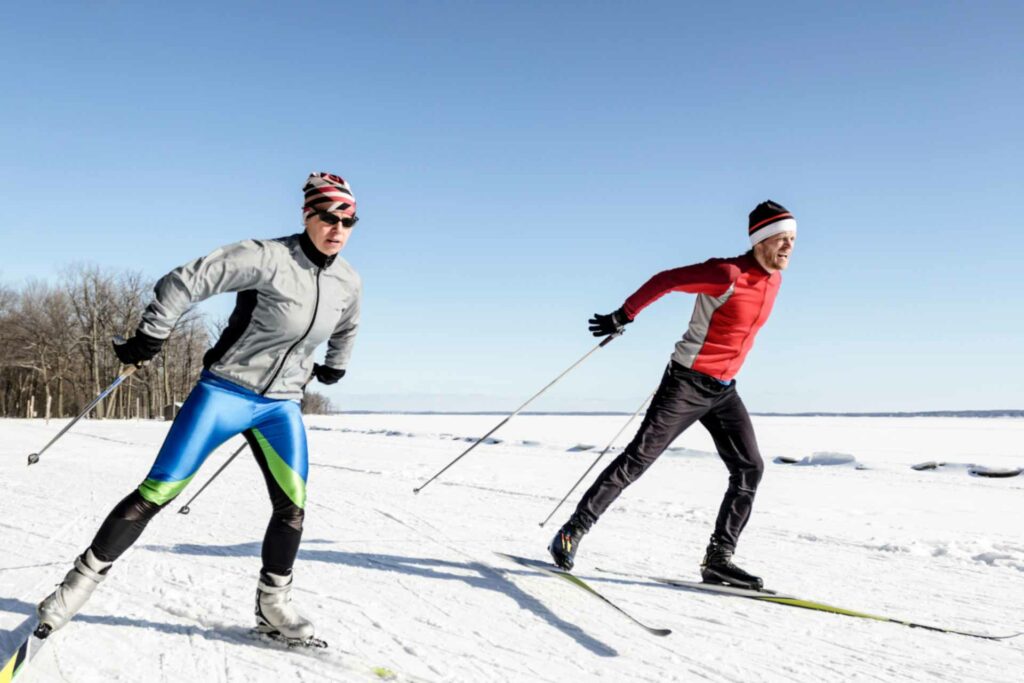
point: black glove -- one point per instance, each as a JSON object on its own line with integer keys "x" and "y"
{"x": 139, "y": 349}
{"x": 603, "y": 325}
{"x": 327, "y": 375}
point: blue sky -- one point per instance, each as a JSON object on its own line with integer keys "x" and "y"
{"x": 520, "y": 166}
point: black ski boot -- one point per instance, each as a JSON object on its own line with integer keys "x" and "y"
{"x": 566, "y": 541}
{"x": 718, "y": 568}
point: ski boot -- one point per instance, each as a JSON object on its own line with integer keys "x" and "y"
{"x": 275, "y": 614}
{"x": 565, "y": 543}
{"x": 718, "y": 568}
{"x": 60, "y": 606}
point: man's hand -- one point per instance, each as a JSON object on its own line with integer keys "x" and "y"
{"x": 139, "y": 349}
{"x": 603, "y": 325}
{"x": 327, "y": 375}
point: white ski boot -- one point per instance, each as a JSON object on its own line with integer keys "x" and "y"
{"x": 275, "y": 614}
{"x": 61, "y": 605}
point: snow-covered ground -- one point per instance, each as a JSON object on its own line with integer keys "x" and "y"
{"x": 406, "y": 587}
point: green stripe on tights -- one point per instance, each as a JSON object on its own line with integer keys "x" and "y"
{"x": 160, "y": 492}
{"x": 287, "y": 478}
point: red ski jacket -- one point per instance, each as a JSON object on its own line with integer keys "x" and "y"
{"x": 734, "y": 299}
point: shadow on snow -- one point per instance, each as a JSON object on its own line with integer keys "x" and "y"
{"x": 474, "y": 574}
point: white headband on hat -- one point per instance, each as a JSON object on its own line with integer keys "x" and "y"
{"x": 763, "y": 233}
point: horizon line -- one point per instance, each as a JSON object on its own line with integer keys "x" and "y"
{"x": 1013, "y": 412}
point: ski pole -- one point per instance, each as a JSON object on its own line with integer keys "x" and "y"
{"x": 604, "y": 342}
{"x": 33, "y": 458}
{"x": 597, "y": 459}
{"x": 184, "y": 510}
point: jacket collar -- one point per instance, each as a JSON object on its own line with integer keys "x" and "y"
{"x": 319, "y": 259}
{"x": 758, "y": 268}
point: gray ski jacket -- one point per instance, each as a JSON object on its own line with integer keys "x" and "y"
{"x": 290, "y": 299}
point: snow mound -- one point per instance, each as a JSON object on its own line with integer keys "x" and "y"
{"x": 993, "y": 472}
{"x": 490, "y": 441}
{"x": 971, "y": 469}
{"x": 820, "y": 459}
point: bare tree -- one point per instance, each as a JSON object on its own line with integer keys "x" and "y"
{"x": 91, "y": 291}
{"x": 55, "y": 348}
{"x": 39, "y": 343}
{"x": 314, "y": 403}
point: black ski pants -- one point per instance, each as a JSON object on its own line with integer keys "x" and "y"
{"x": 684, "y": 397}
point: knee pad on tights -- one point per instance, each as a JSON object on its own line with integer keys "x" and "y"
{"x": 291, "y": 516}
{"x": 135, "y": 508}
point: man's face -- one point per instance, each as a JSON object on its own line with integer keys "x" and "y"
{"x": 774, "y": 253}
{"x": 328, "y": 239}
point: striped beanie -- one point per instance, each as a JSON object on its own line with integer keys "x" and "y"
{"x": 769, "y": 218}
{"x": 328, "y": 192}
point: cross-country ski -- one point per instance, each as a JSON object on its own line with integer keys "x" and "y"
{"x": 793, "y": 601}
{"x": 29, "y": 638}
{"x": 550, "y": 570}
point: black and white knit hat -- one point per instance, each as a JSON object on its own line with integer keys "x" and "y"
{"x": 769, "y": 218}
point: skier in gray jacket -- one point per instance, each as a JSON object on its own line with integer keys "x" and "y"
{"x": 293, "y": 293}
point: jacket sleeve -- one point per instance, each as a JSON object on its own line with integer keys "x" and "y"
{"x": 339, "y": 346}
{"x": 713, "y": 277}
{"x": 233, "y": 268}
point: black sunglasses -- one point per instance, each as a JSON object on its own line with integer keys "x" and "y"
{"x": 331, "y": 219}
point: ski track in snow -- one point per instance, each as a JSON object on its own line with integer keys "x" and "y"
{"x": 406, "y": 587}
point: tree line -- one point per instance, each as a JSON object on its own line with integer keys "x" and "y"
{"x": 56, "y": 354}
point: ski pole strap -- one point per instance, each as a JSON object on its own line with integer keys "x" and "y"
{"x": 607, "y": 340}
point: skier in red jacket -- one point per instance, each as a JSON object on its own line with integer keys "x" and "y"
{"x": 734, "y": 299}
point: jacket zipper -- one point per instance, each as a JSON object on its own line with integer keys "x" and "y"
{"x": 760, "y": 311}
{"x": 316, "y": 305}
